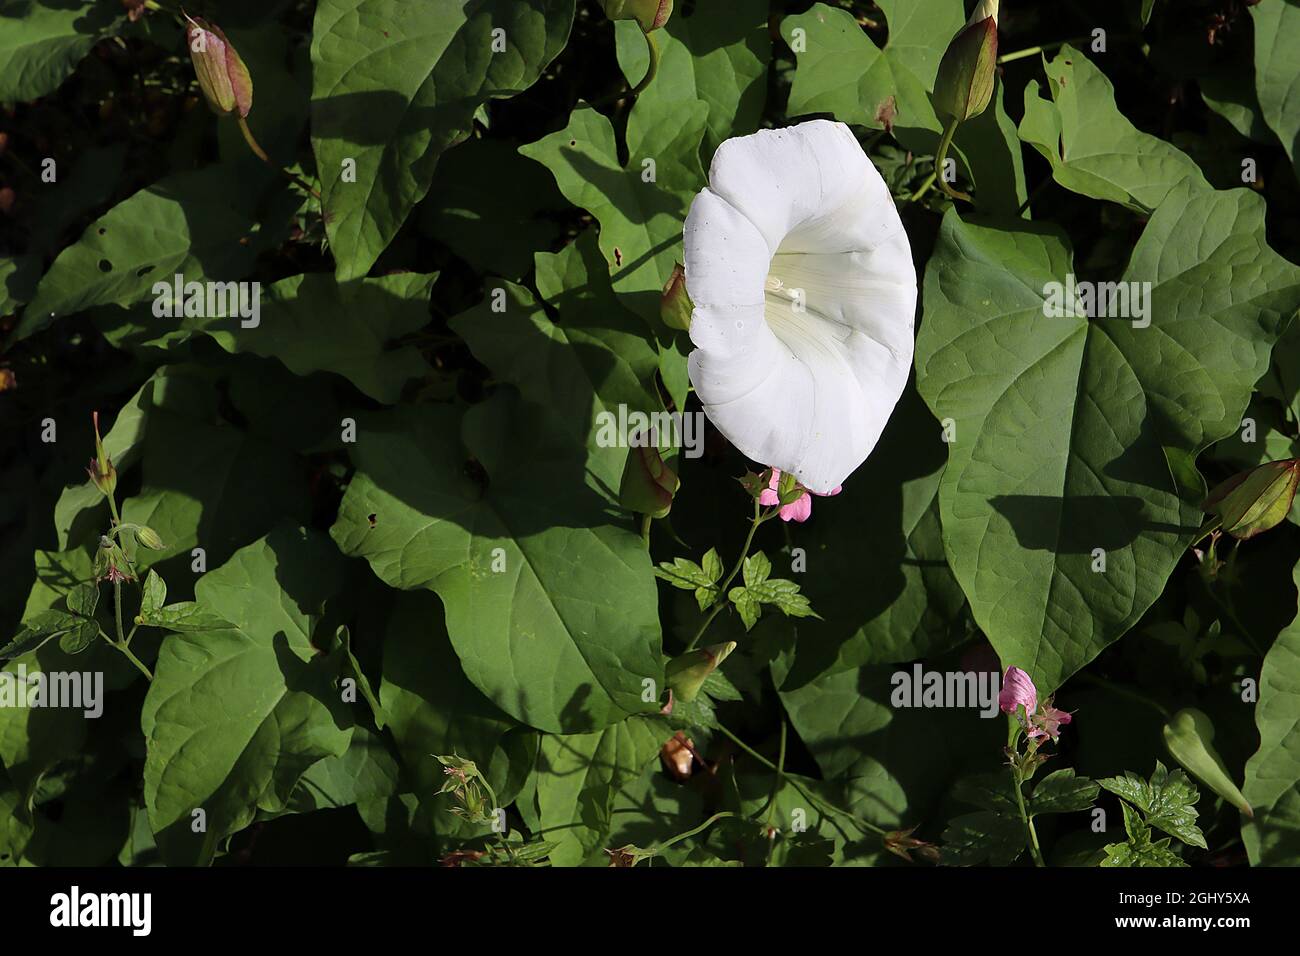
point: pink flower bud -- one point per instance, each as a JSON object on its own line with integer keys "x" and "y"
{"x": 1018, "y": 691}
{"x": 222, "y": 75}
{"x": 649, "y": 14}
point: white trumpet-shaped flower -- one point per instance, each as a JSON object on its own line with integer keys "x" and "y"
{"x": 805, "y": 294}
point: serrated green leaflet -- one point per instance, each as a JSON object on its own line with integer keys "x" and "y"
{"x": 1062, "y": 424}
{"x": 1167, "y": 801}
{"x": 394, "y": 84}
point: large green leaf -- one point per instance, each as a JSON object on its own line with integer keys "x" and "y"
{"x": 551, "y": 608}
{"x": 42, "y": 42}
{"x": 841, "y": 72}
{"x": 305, "y": 569}
{"x": 716, "y": 53}
{"x": 1272, "y": 785}
{"x": 579, "y": 778}
{"x": 640, "y": 220}
{"x": 896, "y": 600}
{"x": 397, "y": 82}
{"x": 234, "y": 718}
{"x": 477, "y": 187}
{"x": 197, "y": 224}
{"x": 433, "y": 709}
{"x": 1092, "y": 148}
{"x": 312, "y": 324}
{"x": 205, "y": 483}
{"x": 597, "y": 357}
{"x": 1277, "y": 79}
{"x": 895, "y": 764}
{"x": 1062, "y": 424}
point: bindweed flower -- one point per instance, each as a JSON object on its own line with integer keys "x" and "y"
{"x": 222, "y": 75}
{"x": 964, "y": 83}
{"x": 1019, "y": 697}
{"x": 649, "y": 14}
{"x": 805, "y": 294}
{"x": 797, "y": 510}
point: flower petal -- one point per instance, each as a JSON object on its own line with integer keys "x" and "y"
{"x": 803, "y": 324}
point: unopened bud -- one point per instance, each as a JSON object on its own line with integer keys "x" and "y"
{"x": 649, "y": 14}
{"x": 222, "y": 75}
{"x": 1255, "y": 500}
{"x": 149, "y": 538}
{"x": 675, "y": 307}
{"x": 964, "y": 83}
{"x": 686, "y": 674}
{"x": 648, "y": 483}
{"x": 101, "y": 470}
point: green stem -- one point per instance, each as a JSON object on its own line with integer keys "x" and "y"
{"x": 1029, "y": 824}
{"x": 645, "y": 531}
{"x": 1212, "y": 525}
{"x": 693, "y": 831}
{"x": 652, "y": 48}
{"x": 776, "y": 789}
{"x": 1044, "y": 48}
{"x": 261, "y": 154}
{"x": 925, "y": 186}
{"x": 117, "y": 611}
{"x": 941, "y": 157}
{"x": 824, "y": 806}
{"x": 135, "y": 660}
{"x": 720, "y": 601}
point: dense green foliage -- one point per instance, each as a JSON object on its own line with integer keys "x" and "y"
{"x": 390, "y": 541}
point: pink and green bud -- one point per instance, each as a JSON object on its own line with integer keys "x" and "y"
{"x": 687, "y": 674}
{"x": 648, "y": 483}
{"x": 1018, "y": 691}
{"x": 101, "y": 470}
{"x": 1255, "y": 500}
{"x": 675, "y": 307}
{"x": 964, "y": 84}
{"x": 649, "y": 14}
{"x": 222, "y": 75}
